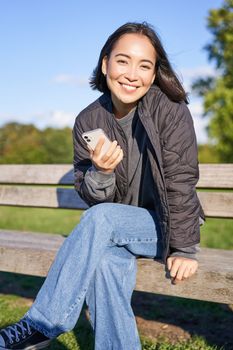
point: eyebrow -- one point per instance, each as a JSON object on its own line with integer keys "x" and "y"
{"x": 143, "y": 60}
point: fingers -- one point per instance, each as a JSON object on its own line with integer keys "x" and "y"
{"x": 110, "y": 159}
{"x": 99, "y": 146}
{"x": 169, "y": 263}
{"x": 112, "y": 153}
{"x": 116, "y": 159}
{"x": 180, "y": 272}
{"x": 181, "y": 268}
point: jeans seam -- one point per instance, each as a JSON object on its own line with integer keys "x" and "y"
{"x": 74, "y": 305}
{"x": 128, "y": 270}
{"x": 134, "y": 240}
{"x": 131, "y": 265}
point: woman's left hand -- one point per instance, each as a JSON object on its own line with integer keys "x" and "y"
{"x": 181, "y": 268}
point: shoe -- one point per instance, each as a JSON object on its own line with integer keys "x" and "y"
{"x": 22, "y": 336}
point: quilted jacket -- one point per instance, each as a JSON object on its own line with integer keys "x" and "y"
{"x": 172, "y": 152}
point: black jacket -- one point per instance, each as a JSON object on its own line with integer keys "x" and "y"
{"x": 172, "y": 152}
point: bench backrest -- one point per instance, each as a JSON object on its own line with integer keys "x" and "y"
{"x": 55, "y": 187}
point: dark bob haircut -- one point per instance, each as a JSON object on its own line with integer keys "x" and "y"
{"x": 165, "y": 78}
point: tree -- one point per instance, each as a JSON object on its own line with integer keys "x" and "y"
{"x": 217, "y": 92}
{"x": 21, "y": 144}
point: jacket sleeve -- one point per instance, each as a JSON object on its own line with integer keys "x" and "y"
{"x": 92, "y": 186}
{"x": 180, "y": 163}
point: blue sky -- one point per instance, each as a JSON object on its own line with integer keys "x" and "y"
{"x": 49, "y": 49}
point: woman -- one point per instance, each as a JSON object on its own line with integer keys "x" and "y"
{"x": 141, "y": 194}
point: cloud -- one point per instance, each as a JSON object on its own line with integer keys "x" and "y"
{"x": 55, "y": 119}
{"x": 61, "y": 119}
{"x": 200, "y": 123}
{"x": 188, "y": 75}
{"x": 199, "y": 71}
{"x": 70, "y": 79}
{"x": 9, "y": 118}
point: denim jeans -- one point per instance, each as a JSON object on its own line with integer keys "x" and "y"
{"x": 97, "y": 262}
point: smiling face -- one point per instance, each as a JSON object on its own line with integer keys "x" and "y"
{"x": 130, "y": 71}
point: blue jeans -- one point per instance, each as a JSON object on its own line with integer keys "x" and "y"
{"x": 97, "y": 262}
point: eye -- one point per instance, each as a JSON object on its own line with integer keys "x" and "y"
{"x": 122, "y": 61}
{"x": 146, "y": 67}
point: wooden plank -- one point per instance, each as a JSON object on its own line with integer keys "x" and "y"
{"x": 28, "y": 253}
{"x": 37, "y": 174}
{"x": 32, "y": 254}
{"x": 219, "y": 205}
{"x": 212, "y": 282}
{"x": 42, "y": 197}
{"x": 211, "y": 175}
{"x": 32, "y": 240}
{"x": 216, "y": 176}
{"x": 214, "y": 204}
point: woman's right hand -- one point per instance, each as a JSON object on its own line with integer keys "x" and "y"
{"x": 107, "y": 162}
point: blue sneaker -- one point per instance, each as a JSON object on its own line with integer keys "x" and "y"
{"x": 22, "y": 336}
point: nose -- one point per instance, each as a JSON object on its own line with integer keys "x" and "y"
{"x": 131, "y": 74}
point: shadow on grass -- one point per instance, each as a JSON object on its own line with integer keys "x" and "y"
{"x": 212, "y": 321}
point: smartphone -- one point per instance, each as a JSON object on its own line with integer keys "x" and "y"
{"x": 92, "y": 138}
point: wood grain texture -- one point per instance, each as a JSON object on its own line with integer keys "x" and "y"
{"x": 37, "y": 174}
{"x": 217, "y": 205}
{"x": 216, "y": 176}
{"x": 212, "y": 282}
{"x": 41, "y": 197}
{"x": 32, "y": 254}
{"x": 211, "y": 175}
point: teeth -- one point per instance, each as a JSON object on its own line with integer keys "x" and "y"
{"x": 128, "y": 87}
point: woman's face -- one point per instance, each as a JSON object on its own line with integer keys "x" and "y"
{"x": 130, "y": 71}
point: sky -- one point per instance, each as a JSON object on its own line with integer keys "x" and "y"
{"x": 49, "y": 48}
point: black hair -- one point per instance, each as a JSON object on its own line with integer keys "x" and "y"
{"x": 165, "y": 77}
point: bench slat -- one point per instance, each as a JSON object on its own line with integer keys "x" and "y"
{"x": 211, "y": 175}
{"x": 43, "y": 197}
{"x": 214, "y": 204}
{"x": 32, "y": 254}
{"x": 215, "y": 274}
{"x": 219, "y": 205}
{"x": 216, "y": 176}
{"x": 52, "y": 174}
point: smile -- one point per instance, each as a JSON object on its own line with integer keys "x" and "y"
{"x": 129, "y": 87}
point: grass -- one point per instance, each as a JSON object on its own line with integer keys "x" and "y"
{"x": 39, "y": 219}
{"x": 196, "y": 343}
{"x": 217, "y": 233}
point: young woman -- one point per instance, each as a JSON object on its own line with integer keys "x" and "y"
{"x": 141, "y": 194}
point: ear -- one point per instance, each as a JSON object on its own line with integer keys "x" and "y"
{"x": 104, "y": 65}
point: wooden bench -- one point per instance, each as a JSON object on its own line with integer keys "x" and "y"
{"x": 32, "y": 253}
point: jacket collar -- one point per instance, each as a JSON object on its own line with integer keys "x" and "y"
{"x": 146, "y": 104}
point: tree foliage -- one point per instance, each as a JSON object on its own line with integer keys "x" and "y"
{"x": 25, "y": 144}
{"x": 217, "y": 92}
